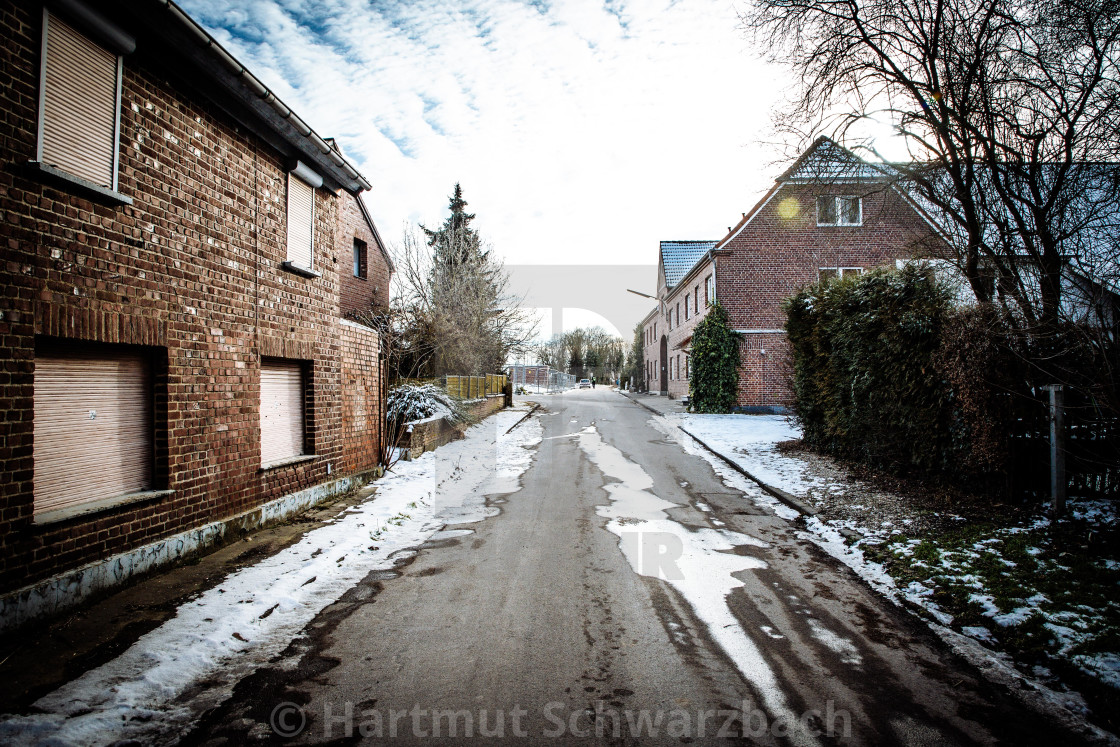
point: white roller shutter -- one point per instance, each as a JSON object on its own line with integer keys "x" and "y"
{"x": 281, "y": 410}
{"x": 301, "y": 221}
{"x": 92, "y": 429}
{"x": 79, "y": 105}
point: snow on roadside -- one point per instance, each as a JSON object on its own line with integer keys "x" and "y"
{"x": 751, "y": 442}
{"x": 148, "y": 693}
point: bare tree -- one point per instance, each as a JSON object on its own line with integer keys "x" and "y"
{"x": 553, "y": 353}
{"x": 1009, "y": 108}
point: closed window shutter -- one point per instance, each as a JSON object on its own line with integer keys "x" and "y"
{"x": 301, "y": 219}
{"x": 79, "y": 105}
{"x": 281, "y": 410}
{"x": 92, "y": 428}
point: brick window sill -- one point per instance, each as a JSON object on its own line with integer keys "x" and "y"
{"x": 48, "y": 174}
{"x": 304, "y": 271}
{"x": 95, "y": 507}
{"x": 289, "y": 461}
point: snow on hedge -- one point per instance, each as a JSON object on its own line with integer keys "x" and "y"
{"x": 411, "y": 402}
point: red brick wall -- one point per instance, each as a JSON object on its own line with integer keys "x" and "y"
{"x": 781, "y": 249}
{"x": 428, "y": 435}
{"x": 363, "y": 415}
{"x": 360, "y": 294}
{"x": 191, "y": 268}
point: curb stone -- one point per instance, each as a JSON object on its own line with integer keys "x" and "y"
{"x": 787, "y": 498}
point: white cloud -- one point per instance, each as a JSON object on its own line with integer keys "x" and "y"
{"x": 581, "y": 132}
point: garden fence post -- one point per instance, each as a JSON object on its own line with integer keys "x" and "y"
{"x": 1057, "y": 452}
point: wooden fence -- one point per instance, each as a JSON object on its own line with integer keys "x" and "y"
{"x": 473, "y": 387}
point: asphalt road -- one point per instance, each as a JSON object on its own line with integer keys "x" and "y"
{"x": 542, "y": 624}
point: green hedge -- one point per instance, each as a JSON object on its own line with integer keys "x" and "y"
{"x": 865, "y": 382}
{"x": 886, "y": 371}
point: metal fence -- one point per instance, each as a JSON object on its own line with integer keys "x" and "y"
{"x": 1091, "y": 446}
{"x": 473, "y": 387}
{"x": 537, "y": 379}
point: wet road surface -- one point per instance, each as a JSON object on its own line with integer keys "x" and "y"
{"x": 625, "y": 593}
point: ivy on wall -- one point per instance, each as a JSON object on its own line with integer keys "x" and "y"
{"x": 714, "y": 380}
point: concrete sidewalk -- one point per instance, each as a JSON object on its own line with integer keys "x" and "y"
{"x": 656, "y": 403}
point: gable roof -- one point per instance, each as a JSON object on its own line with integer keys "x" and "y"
{"x": 376, "y": 235}
{"x": 827, "y": 161}
{"x": 678, "y": 257}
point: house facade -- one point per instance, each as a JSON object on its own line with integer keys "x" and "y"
{"x": 828, "y": 216}
{"x": 685, "y": 277}
{"x": 180, "y": 252}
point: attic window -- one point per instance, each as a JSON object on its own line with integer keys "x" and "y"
{"x": 833, "y": 210}
{"x": 359, "y": 259}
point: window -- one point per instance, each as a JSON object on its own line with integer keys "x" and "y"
{"x": 79, "y": 111}
{"x": 687, "y": 366}
{"x": 301, "y": 222}
{"x": 678, "y": 313}
{"x": 283, "y": 391}
{"x": 359, "y": 259}
{"x": 696, "y": 300}
{"x": 709, "y": 290}
{"x": 686, "y": 309}
{"x": 839, "y": 211}
{"x": 831, "y": 273}
{"x": 93, "y": 425}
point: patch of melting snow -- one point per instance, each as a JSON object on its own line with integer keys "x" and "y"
{"x": 842, "y": 647}
{"x": 227, "y": 632}
{"x": 978, "y": 632}
{"x": 730, "y": 477}
{"x": 698, "y": 563}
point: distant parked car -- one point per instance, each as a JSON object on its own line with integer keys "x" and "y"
{"x": 585, "y": 383}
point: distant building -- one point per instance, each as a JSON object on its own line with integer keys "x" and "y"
{"x": 830, "y": 214}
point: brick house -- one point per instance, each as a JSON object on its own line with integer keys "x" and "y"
{"x": 830, "y": 214}
{"x": 365, "y": 281}
{"x": 180, "y": 249}
{"x": 685, "y": 270}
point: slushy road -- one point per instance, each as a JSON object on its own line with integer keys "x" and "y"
{"x": 625, "y": 592}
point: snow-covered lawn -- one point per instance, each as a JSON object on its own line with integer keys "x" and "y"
{"x": 157, "y": 687}
{"x": 1045, "y": 593}
{"x": 750, "y": 440}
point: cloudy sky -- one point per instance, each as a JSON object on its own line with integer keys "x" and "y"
{"x": 581, "y": 131}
